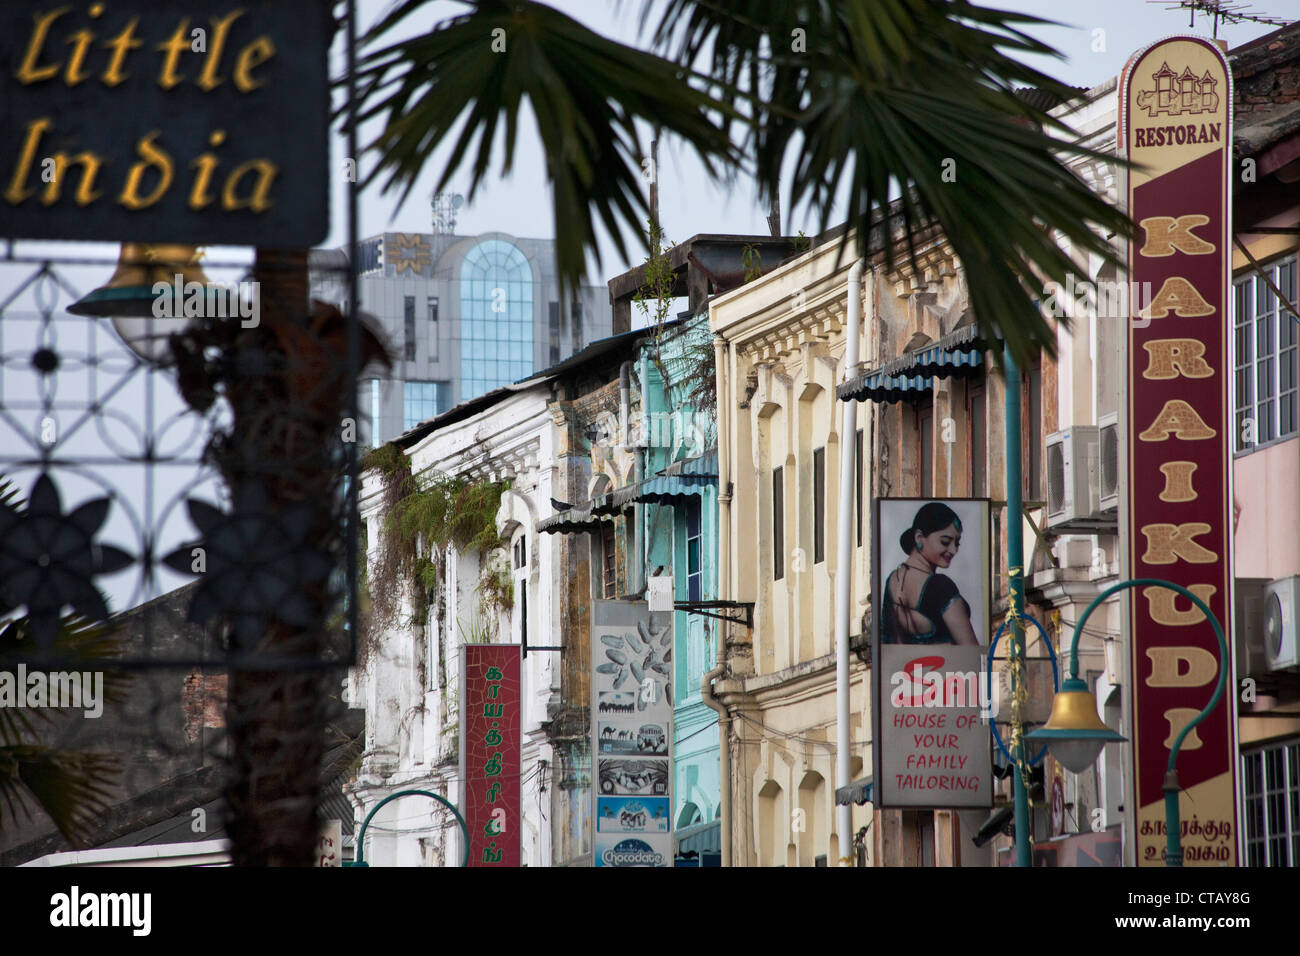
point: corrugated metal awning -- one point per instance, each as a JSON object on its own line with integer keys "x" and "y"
{"x": 573, "y": 521}
{"x": 859, "y": 792}
{"x": 911, "y": 376}
{"x": 681, "y": 479}
{"x": 700, "y": 838}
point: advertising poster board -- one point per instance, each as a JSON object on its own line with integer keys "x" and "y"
{"x": 632, "y": 732}
{"x": 930, "y": 589}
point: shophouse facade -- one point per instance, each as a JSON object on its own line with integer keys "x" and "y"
{"x": 409, "y": 683}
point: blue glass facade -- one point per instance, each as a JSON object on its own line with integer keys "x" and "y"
{"x": 496, "y": 327}
{"x": 423, "y": 400}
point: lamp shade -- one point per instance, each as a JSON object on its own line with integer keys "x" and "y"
{"x": 130, "y": 301}
{"x": 1074, "y": 733}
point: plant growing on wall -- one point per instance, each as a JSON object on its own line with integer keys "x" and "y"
{"x": 423, "y": 516}
{"x": 659, "y": 278}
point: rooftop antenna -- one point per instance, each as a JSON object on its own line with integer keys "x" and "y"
{"x": 1227, "y": 11}
{"x": 445, "y": 207}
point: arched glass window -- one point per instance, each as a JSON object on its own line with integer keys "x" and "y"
{"x": 496, "y": 326}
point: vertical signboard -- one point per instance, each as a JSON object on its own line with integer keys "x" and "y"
{"x": 1176, "y": 123}
{"x": 631, "y": 733}
{"x": 490, "y": 757}
{"x": 931, "y": 577}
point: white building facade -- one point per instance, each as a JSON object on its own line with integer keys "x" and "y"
{"x": 409, "y": 685}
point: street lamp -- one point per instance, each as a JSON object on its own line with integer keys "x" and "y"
{"x": 129, "y": 297}
{"x": 1075, "y": 734}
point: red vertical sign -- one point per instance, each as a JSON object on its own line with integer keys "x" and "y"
{"x": 1175, "y": 111}
{"x": 490, "y": 739}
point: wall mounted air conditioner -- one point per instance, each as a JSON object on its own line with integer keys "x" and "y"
{"x": 1072, "y": 492}
{"x": 1108, "y": 463}
{"x": 1280, "y": 646}
{"x": 1249, "y": 598}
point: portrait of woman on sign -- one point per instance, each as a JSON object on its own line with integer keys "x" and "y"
{"x": 921, "y": 598}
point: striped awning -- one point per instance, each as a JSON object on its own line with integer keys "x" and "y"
{"x": 859, "y": 792}
{"x": 700, "y": 838}
{"x": 679, "y": 480}
{"x": 911, "y": 376}
{"x": 573, "y": 521}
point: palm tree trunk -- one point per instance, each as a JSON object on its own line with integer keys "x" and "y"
{"x": 281, "y": 436}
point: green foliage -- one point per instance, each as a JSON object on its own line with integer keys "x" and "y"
{"x": 659, "y": 278}
{"x": 869, "y": 104}
{"x": 752, "y": 260}
{"x": 423, "y": 516}
{"x": 875, "y": 101}
{"x": 472, "y": 74}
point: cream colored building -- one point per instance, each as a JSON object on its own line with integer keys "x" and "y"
{"x": 781, "y": 355}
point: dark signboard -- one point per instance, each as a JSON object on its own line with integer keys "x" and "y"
{"x": 195, "y": 121}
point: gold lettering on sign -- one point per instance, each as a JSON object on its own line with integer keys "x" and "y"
{"x": 121, "y": 45}
{"x": 150, "y": 155}
{"x": 253, "y": 55}
{"x": 1181, "y": 666}
{"x": 1162, "y": 604}
{"x": 1179, "y": 296}
{"x": 1169, "y": 358}
{"x": 265, "y": 171}
{"x": 1180, "y": 419}
{"x": 208, "y": 79}
{"x": 1165, "y": 234}
{"x": 1166, "y": 543}
{"x": 1178, "y": 481}
{"x": 173, "y": 47}
{"x": 1178, "y": 718}
{"x": 29, "y": 72}
{"x": 18, "y": 190}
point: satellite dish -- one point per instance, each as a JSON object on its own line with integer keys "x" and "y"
{"x": 457, "y": 200}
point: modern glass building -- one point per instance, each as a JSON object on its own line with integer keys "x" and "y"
{"x": 463, "y": 315}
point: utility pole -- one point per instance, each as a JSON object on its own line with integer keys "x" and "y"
{"x": 1016, "y": 580}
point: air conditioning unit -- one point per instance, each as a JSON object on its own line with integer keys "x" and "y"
{"x": 1108, "y": 462}
{"x": 1249, "y": 598}
{"x": 1279, "y": 624}
{"x": 1072, "y": 493}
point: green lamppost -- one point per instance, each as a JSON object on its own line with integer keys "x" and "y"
{"x": 361, "y": 836}
{"x": 1075, "y": 733}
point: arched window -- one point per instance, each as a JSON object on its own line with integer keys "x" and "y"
{"x": 496, "y": 324}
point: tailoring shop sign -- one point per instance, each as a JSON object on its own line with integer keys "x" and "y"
{"x": 1175, "y": 115}
{"x": 932, "y": 705}
{"x": 195, "y": 121}
{"x": 490, "y": 751}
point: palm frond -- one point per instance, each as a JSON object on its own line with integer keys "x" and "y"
{"x": 73, "y": 787}
{"x": 469, "y": 79}
{"x": 885, "y": 97}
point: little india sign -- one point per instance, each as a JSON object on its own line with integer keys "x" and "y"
{"x": 196, "y": 121}
{"x": 1175, "y": 110}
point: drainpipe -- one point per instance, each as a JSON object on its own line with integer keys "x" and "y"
{"x": 636, "y": 578}
{"x": 724, "y": 592}
{"x": 844, "y": 558}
